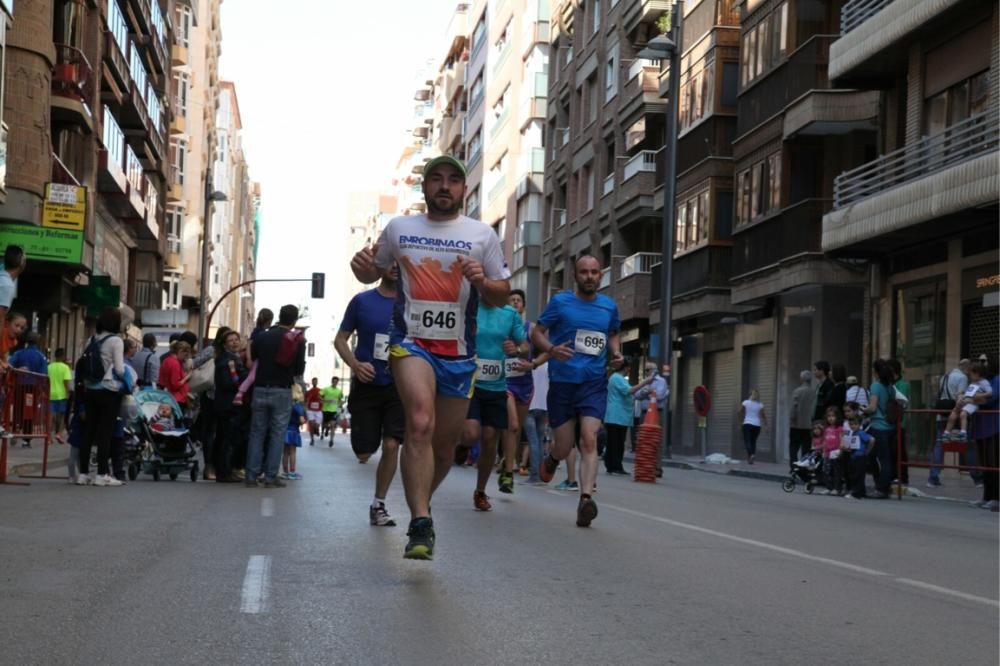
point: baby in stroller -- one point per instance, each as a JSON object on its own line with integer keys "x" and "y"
{"x": 809, "y": 469}
{"x": 163, "y": 420}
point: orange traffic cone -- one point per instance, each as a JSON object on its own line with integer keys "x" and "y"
{"x": 647, "y": 444}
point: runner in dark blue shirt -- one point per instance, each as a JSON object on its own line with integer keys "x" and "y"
{"x": 579, "y": 331}
{"x": 376, "y": 411}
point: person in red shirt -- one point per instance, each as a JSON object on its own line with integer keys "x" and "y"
{"x": 12, "y": 331}
{"x": 173, "y": 378}
{"x": 314, "y": 410}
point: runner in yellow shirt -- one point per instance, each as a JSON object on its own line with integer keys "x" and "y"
{"x": 60, "y": 389}
{"x": 333, "y": 398}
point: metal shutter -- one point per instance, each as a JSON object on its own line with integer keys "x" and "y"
{"x": 686, "y": 419}
{"x": 724, "y": 386}
{"x": 761, "y": 375}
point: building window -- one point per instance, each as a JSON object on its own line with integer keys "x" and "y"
{"x": 183, "y": 26}
{"x": 764, "y": 45}
{"x": 500, "y": 229}
{"x": 178, "y": 159}
{"x": 595, "y": 16}
{"x": 117, "y": 26}
{"x": 182, "y": 85}
{"x": 610, "y": 79}
{"x": 693, "y": 217}
{"x": 590, "y": 90}
{"x": 697, "y": 93}
{"x": 479, "y": 35}
{"x": 472, "y": 203}
{"x": 476, "y": 92}
{"x": 758, "y": 189}
{"x": 959, "y": 102}
{"x": 475, "y": 146}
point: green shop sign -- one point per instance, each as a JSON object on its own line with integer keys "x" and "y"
{"x": 46, "y": 244}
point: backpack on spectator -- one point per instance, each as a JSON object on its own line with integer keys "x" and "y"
{"x": 93, "y": 364}
{"x": 895, "y": 407}
{"x": 945, "y": 401}
{"x": 288, "y": 349}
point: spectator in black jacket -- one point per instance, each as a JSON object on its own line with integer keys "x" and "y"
{"x": 229, "y": 418}
{"x": 280, "y": 355}
{"x": 821, "y": 371}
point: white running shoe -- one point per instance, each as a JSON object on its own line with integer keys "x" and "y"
{"x": 82, "y": 480}
{"x": 106, "y": 480}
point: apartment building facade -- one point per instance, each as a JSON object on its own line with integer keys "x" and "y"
{"x": 193, "y": 143}
{"x": 86, "y": 113}
{"x": 778, "y": 258}
{"x": 921, "y": 207}
{"x": 606, "y": 128}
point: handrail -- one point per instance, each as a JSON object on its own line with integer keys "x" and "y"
{"x": 644, "y": 160}
{"x": 856, "y": 12}
{"x": 963, "y": 141}
{"x": 639, "y": 263}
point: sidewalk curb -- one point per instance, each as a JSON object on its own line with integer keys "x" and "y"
{"x": 34, "y": 468}
{"x": 908, "y": 491}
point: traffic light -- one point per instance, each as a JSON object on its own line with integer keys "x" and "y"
{"x": 318, "y": 285}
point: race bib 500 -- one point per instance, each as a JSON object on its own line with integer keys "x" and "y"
{"x": 489, "y": 370}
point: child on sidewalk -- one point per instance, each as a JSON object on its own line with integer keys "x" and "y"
{"x": 293, "y": 436}
{"x": 857, "y": 444}
{"x": 979, "y": 386}
{"x": 833, "y": 432}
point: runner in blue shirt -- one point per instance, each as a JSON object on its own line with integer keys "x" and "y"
{"x": 376, "y": 411}
{"x": 579, "y": 331}
{"x": 499, "y": 335}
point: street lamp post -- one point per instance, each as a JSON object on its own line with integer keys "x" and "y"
{"x": 210, "y": 197}
{"x": 658, "y": 47}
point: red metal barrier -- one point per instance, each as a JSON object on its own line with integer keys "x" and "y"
{"x": 935, "y": 422}
{"x": 25, "y": 415}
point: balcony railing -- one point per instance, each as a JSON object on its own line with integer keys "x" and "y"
{"x": 61, "y": 173}
{"x": 497, "y": 188}
{"x": 72, "y": 75}
{"x": 963, "y": 141}
{"x": 148, "y": 295}
{"x": 502, "y": 56}
{"x": 605, "y": 278}
{"x": 641, "y": 64}
{"x": 644, "y": 161}
{"x": 856, "y": 12}
{"x": 609, "y": 185}
{"x": 500, "y": 121}
{"x": 528, "y": 233}
{"x": 804, "y": 70}
{"x": 533, "y": 161}
{"x": 639, "y": 263}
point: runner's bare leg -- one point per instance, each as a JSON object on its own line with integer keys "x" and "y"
{"x": 417, "y": 386}
{"x": 588, "y": 453}
{"x": 387, "y": 464}
{"x": 511, "y": 436}
{"x": 487, "y": 456}
{"x": 450, "y": 415}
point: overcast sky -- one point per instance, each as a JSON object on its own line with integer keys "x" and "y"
{"x": 326, "y": 95}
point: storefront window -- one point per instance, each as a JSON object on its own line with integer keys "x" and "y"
{"x": 920, "y": 336}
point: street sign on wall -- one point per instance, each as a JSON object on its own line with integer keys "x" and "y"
{"x": 64, "y": 207}
{"x": 45, "y": 244}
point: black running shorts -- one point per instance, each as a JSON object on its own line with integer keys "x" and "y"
{"x": 376, "y": 412}
{"x": 489, "y": 408}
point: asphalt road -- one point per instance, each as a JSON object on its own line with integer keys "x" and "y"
{"x": 698, "y": 569}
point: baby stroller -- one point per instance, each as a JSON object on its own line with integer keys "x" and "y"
{"x": 169, "y": 452}
{"x": 808, "y": 470}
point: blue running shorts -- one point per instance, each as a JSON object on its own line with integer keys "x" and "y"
{"x": 570, "y": 401}
{"x": 455, "y": 376}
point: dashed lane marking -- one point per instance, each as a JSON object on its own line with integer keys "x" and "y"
{"x": 256, "y": 585}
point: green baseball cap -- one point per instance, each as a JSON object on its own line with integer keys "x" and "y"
{"x": 444, "y": 159}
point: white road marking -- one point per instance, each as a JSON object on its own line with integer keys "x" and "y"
{"x": 804, "y": 556}
{"x": 267, "y": 507}
{"x": 256, "y": 585}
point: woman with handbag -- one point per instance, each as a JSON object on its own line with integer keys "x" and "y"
{"x": 103, "y": 363}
